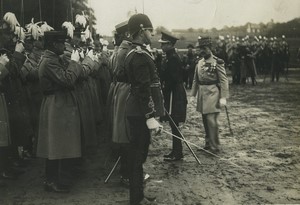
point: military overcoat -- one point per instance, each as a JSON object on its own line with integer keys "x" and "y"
{"x": 59, "y": 130}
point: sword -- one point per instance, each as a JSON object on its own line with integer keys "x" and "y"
{"x": 217, "y": 156}
{"x": 112, "y": 170}
{"x": 182, "y": 137}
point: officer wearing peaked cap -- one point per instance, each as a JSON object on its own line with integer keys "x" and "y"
{"x": 211, "y": 85}
{"x": 174, "y": 92}
{"x": 119, "y": 90}
{"x": 144, "y": 102}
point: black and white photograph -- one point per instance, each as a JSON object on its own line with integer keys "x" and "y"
{"x": 149, "y": 102}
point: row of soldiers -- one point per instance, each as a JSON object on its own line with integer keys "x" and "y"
{"x": 59, "y": 90}
{"x": 250, "y": 56}
{"x": 28, "y": 107}
{"x": 245, "y": 57}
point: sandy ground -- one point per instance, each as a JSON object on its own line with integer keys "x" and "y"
{"x": 259, "y": 164}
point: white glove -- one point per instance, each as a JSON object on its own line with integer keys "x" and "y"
{"x": 96, "y": 58}
{"x": 19, "y": 47}
{"x": 91, "y": 54}
{"x": 75, "y": 56}
{"x": 223, "y": 101}
{"x": 4, "y": 59}
{"x": 152, "y": 124}
{"x": 192, "y": 98}
{"x": 81, "y": 54}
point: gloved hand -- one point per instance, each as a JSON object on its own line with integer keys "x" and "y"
{"x": 90, "y": 53}
{"x": 4, "y": 59}
{"x": 81, "y": 54}
{"x": 223, "y": 101}
{"x": 152, "y": 124}
{"x": 192, "y": 98}
{"x": 96, "y": 58}
{"x": 75, "y": 56}
{"x": 19, "y": 47}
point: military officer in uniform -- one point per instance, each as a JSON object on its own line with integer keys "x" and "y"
{"x": 211, "y": 84}
{"x": 174, "y": 92}
{"x": 120, "y": 128}
{"x": 144, "y": 102}
{"x": 59, "y": 129}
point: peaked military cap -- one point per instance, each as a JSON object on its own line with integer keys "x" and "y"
{"x": 204, "y": 41}
{"x": 122, "y": 28}
{"x": 167, "y": 38}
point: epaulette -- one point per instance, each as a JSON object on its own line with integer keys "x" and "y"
{"x": 139, "y": 50}
{"x": 219, "y": 60}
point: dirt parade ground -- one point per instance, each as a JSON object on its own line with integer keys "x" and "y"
{"x": 259, "y": 164}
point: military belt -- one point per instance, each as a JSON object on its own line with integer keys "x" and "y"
{"x": 209, "y": 82}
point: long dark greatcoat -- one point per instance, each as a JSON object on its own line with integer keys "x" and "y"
{"x": 4, "y": 123}
{"x": 16, "y": 101}
{"x": 173, "y": 89}
{"x": 59, "y": 131}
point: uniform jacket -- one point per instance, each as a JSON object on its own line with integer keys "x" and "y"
{"x": 16, "y": 101}
{"x": 173, "y": 90}
{"x": 211, "y": 84}
{"x": 84, "y": 99}
{"x": 59, "y": 130}
{"x": 120, "y": 126}
{"x": 30, "y": 78}
{"x": 4, "y": 122}
{"x": 145, "y": 98}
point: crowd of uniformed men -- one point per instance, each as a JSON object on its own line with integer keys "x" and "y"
{"x": 246, "y": 57}
{"x": 61, "y": 90}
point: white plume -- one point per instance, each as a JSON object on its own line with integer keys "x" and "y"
{"x": 20, "y": 32}
{"x": 11, "y": 19}
{"x": 45, "y": 27}
{"x": 70, "y": 28}
{"x": 88, "y": 34}
{"x": 105, "y": 43}
{"x": 81, "y": 19}
{"x": 34, "y": 29}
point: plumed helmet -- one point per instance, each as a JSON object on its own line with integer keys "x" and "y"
{"x": 138, "y": 22}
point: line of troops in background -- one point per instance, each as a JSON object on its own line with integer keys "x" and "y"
{"x": 244, "y": 57}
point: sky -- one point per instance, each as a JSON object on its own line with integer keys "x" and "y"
{"x": 184, "y": 14}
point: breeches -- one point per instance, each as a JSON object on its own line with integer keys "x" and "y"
{"x": 139, "y": 145}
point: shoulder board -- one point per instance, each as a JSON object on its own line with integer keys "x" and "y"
{"x": 219, "y": 60}
{"x": 139, "y": 50}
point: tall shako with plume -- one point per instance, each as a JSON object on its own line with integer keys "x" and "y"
{"x": 11, "y": 19}
{"x": 70, "y": 28}
{"x": 34, "y": 29}
{"x": 81, "y": 22}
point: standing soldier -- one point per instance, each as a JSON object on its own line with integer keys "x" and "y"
{"x": 211, "y": 84}
{"x": 174, "y": 92}
{"x": 4, "y": 121}
{"x": 285, "y": 54}
{"x": 59, "y": 131}
{"x": 120, "y": 128}
{"x": 143, "y": 103}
